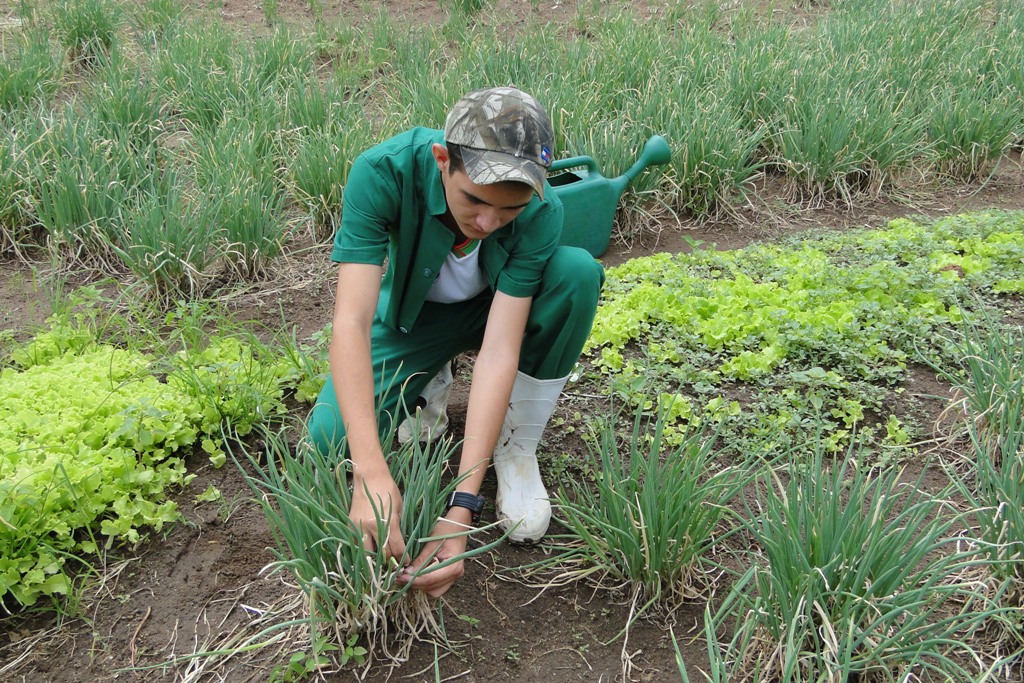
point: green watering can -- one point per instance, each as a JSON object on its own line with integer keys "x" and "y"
{"x": 590, "y": 199}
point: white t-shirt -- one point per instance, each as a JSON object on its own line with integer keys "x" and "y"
{"x": 460, "y": 278}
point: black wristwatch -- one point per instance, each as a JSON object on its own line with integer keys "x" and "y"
{"x": 475, "y": 504}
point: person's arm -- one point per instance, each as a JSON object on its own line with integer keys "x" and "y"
{"x": 352, "y": 374}
{"x": 494, "y": 373}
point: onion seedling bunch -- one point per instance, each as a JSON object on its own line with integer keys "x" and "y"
{"x": 860, "y": 580}
{"x": 29, "y": 71}
{"x": 242, "y": 197}
{"x": 165, "y": 243}
{"x": 87, "y": 29}
{"x": 15, "y": 221}
{"x": 649, "y": 521}
{"x": 81, "y": 181}
{"x": 992, "y": 483}
{"x": 351, "y": 590}
{"x": 995, "y": 513}
{"x": 990, "y": 380}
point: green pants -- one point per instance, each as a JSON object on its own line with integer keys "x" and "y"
{"x": 559, "y": 323}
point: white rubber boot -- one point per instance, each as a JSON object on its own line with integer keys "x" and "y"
{"x": 432, "y": 418}
{"x": 523, "y": 503}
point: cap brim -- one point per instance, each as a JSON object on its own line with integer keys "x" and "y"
{"x": 485, "y": 167}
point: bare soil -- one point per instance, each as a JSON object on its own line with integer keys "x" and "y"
{"x": 199, "y": 584}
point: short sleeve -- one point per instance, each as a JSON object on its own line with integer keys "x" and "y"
{"x": 529, "y": 254}
{"x": 369, "y": 208}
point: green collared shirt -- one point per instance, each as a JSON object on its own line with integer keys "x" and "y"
{"x": 393, "y": 204}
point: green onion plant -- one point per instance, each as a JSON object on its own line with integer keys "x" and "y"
{"x": 16, "y": 230}
{"x": 81, "y": 183}
{"x": 311, "y": 106}
{"x": 240, "y": 380}
{"x": 841, "y": 134}
{"x": 123, "y": 102}
{"x": 152, "y": 19}
{"x": 87, "y": 29}
{"x": 990, "y": 377}
{"x": 713, "y": 155}
{"x": 464, "y": 8}
{"x": 29, "y": 71}
{"x": 860, "y": 580}
{"x": 165, "y": 242}
{"x": 650, "y": 521}
{"x": 991, "y": 390}
{"x": 757, "y": 78}
{"x": 196, "y": 71}
{"x": 242, "y": 197}
{"x": 319, "y": 169}
{"x": 993, "y": 494}
{"x": 352, "y": 591}
{"x": 281, "y": 59}
{"x": 270, "y": 12}
{"x": 970, "y": 126}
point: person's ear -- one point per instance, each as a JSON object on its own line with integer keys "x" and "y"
{"x": 440, "y": 153}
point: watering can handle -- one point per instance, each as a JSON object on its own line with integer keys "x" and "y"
{"x": 573, "y": 162}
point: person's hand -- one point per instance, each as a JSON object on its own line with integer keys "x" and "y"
{"x": 435, "y": 582}
{"x": 380, "y": 492}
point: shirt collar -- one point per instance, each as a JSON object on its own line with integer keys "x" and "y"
{"x": 437, "y": 205}
{"x": 431, "y": 178}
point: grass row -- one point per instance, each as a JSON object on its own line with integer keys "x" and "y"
{"x": 166, "y": 145}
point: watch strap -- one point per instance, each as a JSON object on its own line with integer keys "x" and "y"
{"x": 475, "y": 504}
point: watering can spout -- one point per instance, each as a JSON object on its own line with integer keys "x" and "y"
{"x": 655, "y": 152}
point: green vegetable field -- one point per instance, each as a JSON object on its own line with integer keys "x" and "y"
{"x": 792, "y": 450}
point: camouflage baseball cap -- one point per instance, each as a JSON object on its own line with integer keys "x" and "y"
{"x": 505, "y": 135}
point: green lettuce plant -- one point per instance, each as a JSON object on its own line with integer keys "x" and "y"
{"x": 814, "y": 329}
{"x": 87, "y": 450}
{"x": 92, "y": 437}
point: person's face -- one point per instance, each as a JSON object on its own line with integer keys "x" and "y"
{"x": 479, "y": 210}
